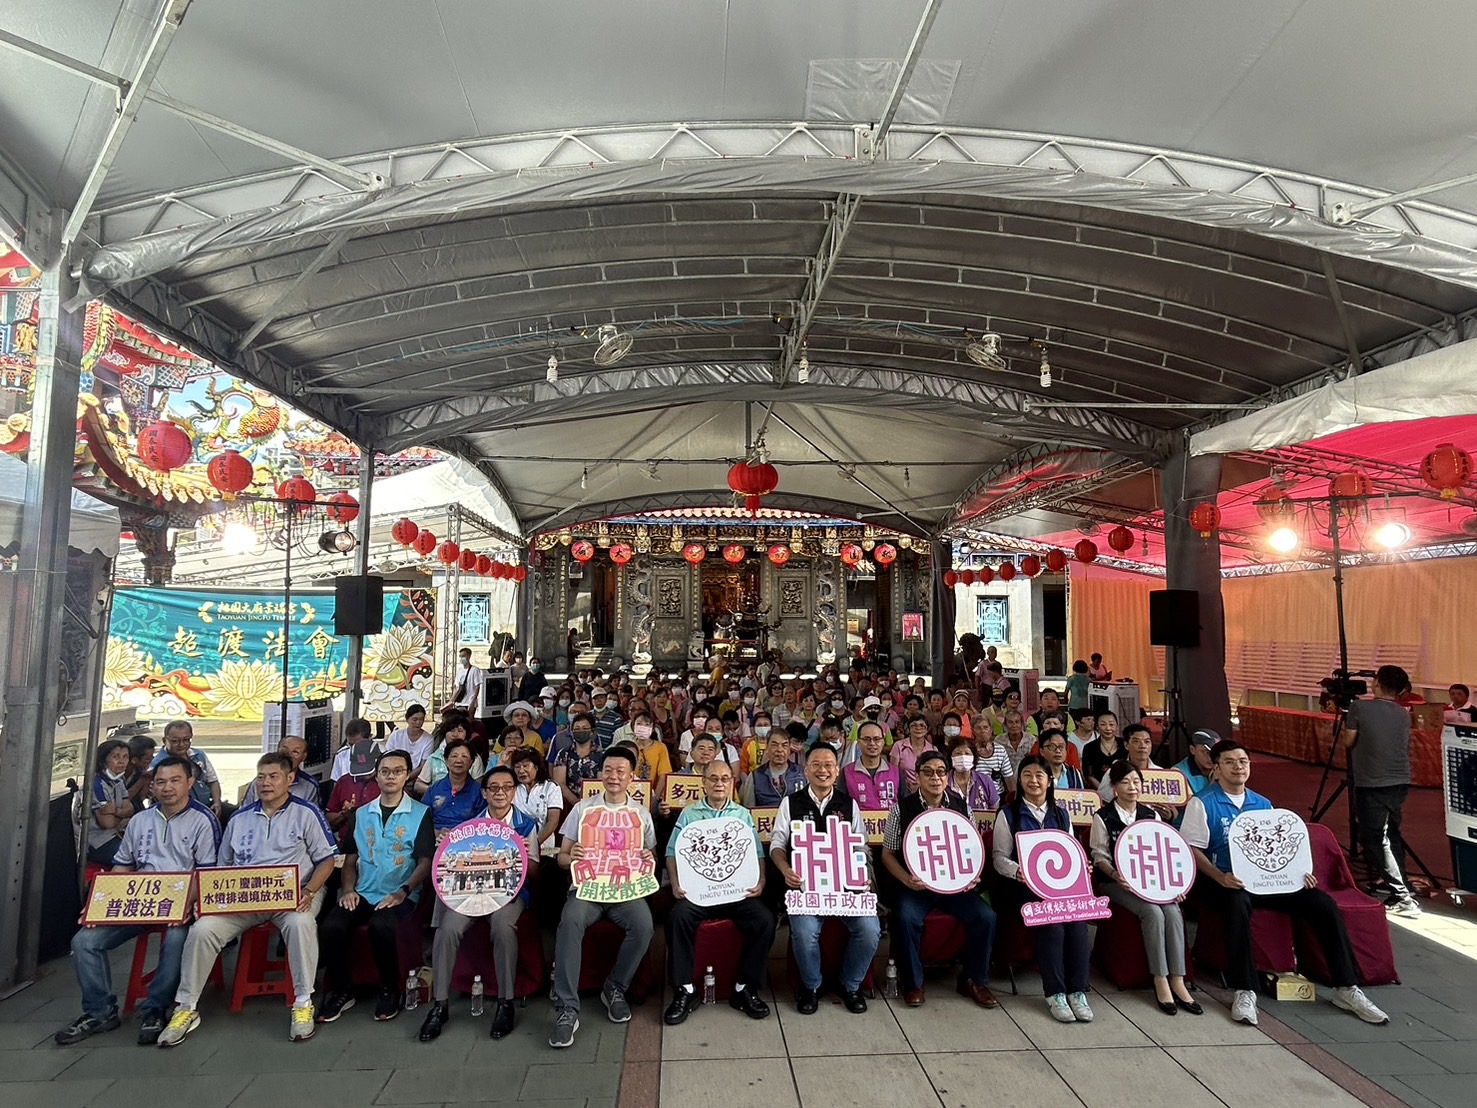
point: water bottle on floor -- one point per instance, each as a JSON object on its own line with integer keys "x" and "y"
{"x": 889, "y": 981}
{"x": 710, "y": 987}
{"x": 412, "y": 991}
{"x": 477, "y": 995}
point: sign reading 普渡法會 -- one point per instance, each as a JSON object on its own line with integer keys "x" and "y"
{"x": 134, "y": 898}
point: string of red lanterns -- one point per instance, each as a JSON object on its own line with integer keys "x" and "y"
{"x": 411, "y": 535}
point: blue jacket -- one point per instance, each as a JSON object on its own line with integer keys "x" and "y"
{"x": 1219, "y": 812}
{"x": 386, "y": 847}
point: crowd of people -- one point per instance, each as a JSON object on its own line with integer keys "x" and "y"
{"x": 750, "y": 739}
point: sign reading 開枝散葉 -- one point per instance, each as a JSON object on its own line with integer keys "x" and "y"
{"x": 233, "y": 890}
{"x": 1055, "y": 867}
{"x": 614, "y": 865}
{"x": 831, "y": 862}
{"x": 479, "y": 866}
{"x": 717, "y": 861}
{"x": 118, "y": 899}
{"x": 1154, "y": 861}
{"x": 1271, "y": 851}
{"x": 944, "y": 851}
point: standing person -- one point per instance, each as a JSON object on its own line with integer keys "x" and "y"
{"x": 1377, "y": 736}
{"x": 1096, "y": 671}
{"x": 278, "y": 830}
{"x": 1077, "y": 688}
{"x": 111, "y": 808}
{"x": 467, "y": 683}
{"x": 387, "y": 858}
{"x": 177, "y": 835}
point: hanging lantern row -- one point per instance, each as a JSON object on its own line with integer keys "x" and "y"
{"x": 1031, "y": 565}
{"x": 409, "y": 534}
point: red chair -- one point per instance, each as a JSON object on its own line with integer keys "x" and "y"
{"x": 475, "y": 957}
{"x": 943, "y": 940}
{"x": 139, "y": 981}
{"x": 1272, "y": 949}
{"x": 719, "y": 944}
{"x": 597, "y": 958}
{"x": 258, "y": 973}
{"x": 1118, "y": 950}
{"x": 1364, "y": 917}
{"x": 834, "y": 937}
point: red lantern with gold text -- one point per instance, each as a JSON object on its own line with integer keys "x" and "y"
{"x": 229, "y": 473}
{"x": 405, "y": 531}
{"x": 851, "y": 554}
{"x": 984, "y": 575}
{"x": 483, "y": 566}
{"x": 1350, "y": 485}
{"x": 1120, "y": 538}
{"x": 424, "y": 543}
{"x": 951, "y": 578}
{"x": 733, "y": 553}
{"x": 1007, "y": 571}
{"x": 448, "y": 552}
{"x": 1446, "y": 469}
{"x": 1085, "y": 551}
{"x": 499, "y": 571}
{"x": 621, "y": 553}
{"x": 582, "y": 551}
{"x": 1056, "y": 560}
{"x": 753, "y": 482}
{"x": 779, "y": 554}
{"x": 1275, "y": 506}
{"x": 163, "y": 445}
{"x": 343, "y": 508}
{"x": 694, "y": 552}
{"x": 966, "y": 577}
{"x": 297, "y": 491}
{"x": 1205, "y": 517}
{"x": 1030, "y": 565}
{"x": 468, "y": 561}
{"x": 885, "y": 554}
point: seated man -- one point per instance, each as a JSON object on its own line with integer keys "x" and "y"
{"x": 872, "y": 781}
{"x": 632, "y": 916}
{"x": 814, "y": 804}
{"x": 303, "y": 787}
{"x": 179, "y": 736}
{"x": 358, "y": 784}
{"x": 1197, "y": 764}
{"x": 278, "y": 830}
{"x": 1206, "y": 827}
{"x": 776, "y": 777}
{"x": 754, "y": 921}
{"x": 388, "y": 848}
{"x": 915, "y": 900}
{"x": 178, "y": 834}
{"x": 1054, "y": 747}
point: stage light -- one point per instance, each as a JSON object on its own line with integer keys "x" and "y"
{"x": 238, "y": 539}
{"x": 1392, "y": 535}
{"x": 1284, "y": 540}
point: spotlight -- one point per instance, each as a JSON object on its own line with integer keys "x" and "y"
{"x": 337, "y": 542}
{"x": 237, "y": 539}
{"x": 553, "y": 375}
{"x": 1045, "y": 371}
{"x": 1284, "y": 540}
{"x": 1392, "y": 535}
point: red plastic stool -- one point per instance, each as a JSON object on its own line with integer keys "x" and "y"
{"x": 718, "y": 944}
{"x": 475, "y": 957}
{"x": 597, "y": 958}
{"x": 834, "y": 937}
{"x": 139, "y": 981}
{"x": 257, "y": 973}
{"x": 943, "y": 941}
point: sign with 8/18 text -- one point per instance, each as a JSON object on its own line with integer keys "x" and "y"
{"x": 234, "y": 890}
{"x": 135, "y": 898}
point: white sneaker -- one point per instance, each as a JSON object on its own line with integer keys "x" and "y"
{"x": 302, "y": 1025}
{"x": 1057, "y": 1006}
{"x": 1353, "y": 1000}
{"x": 1080, "y": 1011}
{"x": 180, "y": 1024}
{"x": 1243, "y": 1007}
{"x": 1406, "y": 909}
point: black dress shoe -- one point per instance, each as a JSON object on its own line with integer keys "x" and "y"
{"x": 502, "y": 1019}
{"x": 807, "y": 1002}
{"x": 1167, "y": 1007}
{"x": 854, "y": 1001}
{"x": 1191, "y": 1006}
{"x": 750, "y": 1003}
{"x": 435, "y": 1020}
{"x": 683, "y": 1004}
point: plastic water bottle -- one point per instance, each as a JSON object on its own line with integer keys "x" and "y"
{"x": 412, "y": 991}
{"x": 477, "y": 995}
{"x": 710, "y": 987}
{"x": 889, "y": 981}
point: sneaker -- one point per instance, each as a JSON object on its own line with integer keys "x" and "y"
{"x": 1057, "y": 1006}
{"x": 1080, "y": 1011}
{"x": 302, "y": 1025}
{"x": 1352, "y": 999}
{"x": 1243, "y": 1007}
{"x": 387, "y": 1007}
{"x": 615, "y": 1003}
{"x": 180, "y": 1024}
{"x": 565, "y": 1025}
{"x": 150, "y": 1027}
{"x": 85, "y": 1026}
{"x": 335, "y": 1005}
{"x": 1405, "y": 909}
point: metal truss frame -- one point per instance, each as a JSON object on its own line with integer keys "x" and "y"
{"x": 1010, "y": 505}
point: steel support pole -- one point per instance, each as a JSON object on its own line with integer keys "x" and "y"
{"x": 32, "y": 693}
{"x": 941, "y": 637}
{"x": 354, "y": 673}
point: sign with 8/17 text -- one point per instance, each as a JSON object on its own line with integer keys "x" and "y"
{"x": 135, "y": 898}
{"x": 234, "y": 890}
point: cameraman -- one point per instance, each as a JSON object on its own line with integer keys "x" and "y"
{"x": 1377, "y": 736}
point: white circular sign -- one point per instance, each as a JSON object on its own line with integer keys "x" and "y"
{"x": 1270, "y": 851}
{"x": 717, "y": 860}
{"x": 944, "y": 850}
{"x": 1154, "y": 861}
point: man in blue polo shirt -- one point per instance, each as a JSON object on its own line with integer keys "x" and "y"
{"x": 176, "y": 835}
{"x": 278, "y": 830}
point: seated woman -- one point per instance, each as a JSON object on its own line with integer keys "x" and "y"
{"x": 1061, "y": 948}
{"x": 973, "y": 786}
{"x": 1163, "y": 925}
{"x": 434, "y": 769}
{"x": 111, "y": 808}
{"x": 455, "y": 798}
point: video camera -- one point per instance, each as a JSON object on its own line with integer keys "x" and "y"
{"x": 1342, "y": 689}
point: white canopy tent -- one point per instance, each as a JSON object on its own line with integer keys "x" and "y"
{"x": 94, "y": 526}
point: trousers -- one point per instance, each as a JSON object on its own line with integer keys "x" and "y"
{"x": 209, "y": 936}
{"x": 1380, "y": 811}
{"x": 336, "y": 929}
{"x": 1163, "y": 927}
{"x": 755, "y": 923}
{"x": 1314, "y": 906}
{"x": 977, "y": 917}
{"x": 503, "y": 926}
{"x": 1062, "y": 949}
{"x": 90, "y": 947}
{"x": 632, "y": 916}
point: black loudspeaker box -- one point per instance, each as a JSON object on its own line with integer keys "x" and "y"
{"x": 359, "y": 605}
{"x": 1174, "y": 617}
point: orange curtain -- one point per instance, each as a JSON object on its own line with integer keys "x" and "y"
{"x": 1108, "y": 614}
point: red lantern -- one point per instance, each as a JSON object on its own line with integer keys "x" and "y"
{"x": 967, "y": 577}
{"x": 499, "y": 570}
{"x": 1120, "y": 538}
{"x": 163, "y": 445}
{"x": 1205, "y": 517}
{"x": 1447, "y": 469}
{"x": 468, "y": 561}
{"x": 779, "y": 554}
{"x": 519, "y": 573}
{"x": 753, "y": 482}
{"x": 885, "y": 554}
{"x": 621, "y": 553}
{"x": 694, "y": 552}
{"x": 229, "y": 472}
{"x": 448, "y": 552}
{"x": 297, "y": 491}
{"x": 1007, "y": 571}
{"x": 405, "y": 531}
{"x": 1056, "y": 560}
{"x": 1030, "y": 565}
{"x": 851, "y": 554}
{"x": 1085, "y": 551}
{"x": 343, "y": 508}
{"x": 1274, "y": 506}
{"x": 951, "y": 578}
{"x": 1350, "y": 485}
{"x": 985, "y": 575}
{"x": 484, "y": 565}
{"x": 733, "y": 553}
{"x": 425, "y": 542}
{"x": 582, "y": 551}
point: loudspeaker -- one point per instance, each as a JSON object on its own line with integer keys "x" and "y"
{"x": 1174, "y": 617}
{"x": 359, "y": 605}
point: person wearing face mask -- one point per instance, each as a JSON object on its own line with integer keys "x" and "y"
{"x": 756, "y": 746}
{"x": 653, "y": 762}
{"x": 959, "y": 705}
{"x": 697, "y": 725}
{"x": 111, "y": 808}
{"x": 776, "y": 779}
{"x": 577, "y": 761}
{"x": 976, "y": 788}
{"x": 952, "y": 727}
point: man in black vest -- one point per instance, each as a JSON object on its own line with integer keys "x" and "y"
{"x": 915, "y": 900}
{"x": 814, "y": 804}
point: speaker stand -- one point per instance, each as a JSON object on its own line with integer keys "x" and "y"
{"x": 1175, "y": 745}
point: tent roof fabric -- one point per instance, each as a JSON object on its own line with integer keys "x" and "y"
{"x": 404, "y": 215}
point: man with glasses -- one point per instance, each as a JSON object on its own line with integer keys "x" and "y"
{"x": 1054, "y": 750}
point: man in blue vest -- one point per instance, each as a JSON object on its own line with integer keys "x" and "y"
{"x": 388, "y": 848}
{"x": 1206, "y": 827}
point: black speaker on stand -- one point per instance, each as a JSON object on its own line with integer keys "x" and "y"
{"x": 359, "y": 605}
{"x": 1174, "y": 621}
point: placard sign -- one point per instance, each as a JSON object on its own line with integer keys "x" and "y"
{"x": 1081, "y": 805}
{"x": 682, "y": 789}
{"x": 1055, "y": 867}
{"x": 615, "y": 866}
{"x": 233, "y": 890}
{"x": 1154, "y": 860}
{"x": 640, "y": 791}
{"x": 944, "y": 851}
{"x": 1169, "y": 787}
{"x": 480, "y": 866}
{"x": 717, "y": 860}
{"x": 764, "y": 822}
{"x": 1270, "y": 851}
{"x": 831, "y": 862}
{"x": 912, "y": 627}
{"x": 134, "y": 898}
{"x": 875, "y": 819}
